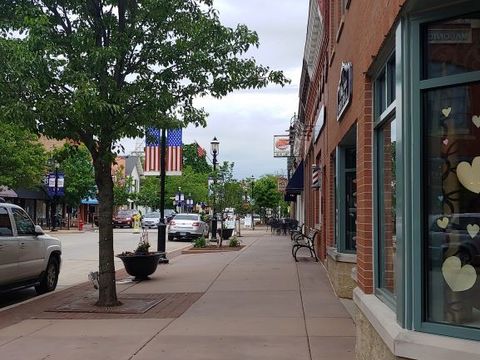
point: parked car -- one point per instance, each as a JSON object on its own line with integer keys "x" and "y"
{"x": 187, "y": 227}
{"x": 151, "y": 220}
{"x": 28, "y": 257}
{"x": 124, "y": 218}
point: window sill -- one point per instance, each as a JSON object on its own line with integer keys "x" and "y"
{"x": 341, "y": 257}
{"x": 408, "y": 343}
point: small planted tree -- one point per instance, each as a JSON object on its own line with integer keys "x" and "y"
{"x": 96, "y": 71}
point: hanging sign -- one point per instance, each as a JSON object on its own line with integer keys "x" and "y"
{"x": 344, "y": 90}
{"x": 281, "y": 146}
{"x": 56, "y": 184}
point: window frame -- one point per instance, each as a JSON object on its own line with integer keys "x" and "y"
{"x": 415, "y": 311}
{"x": 381, "y": 118}
{"x": 340, "y": 199}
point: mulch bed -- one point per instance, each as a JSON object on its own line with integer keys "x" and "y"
{"x": 212, "y": 249}
{"x": 155, "y": 306}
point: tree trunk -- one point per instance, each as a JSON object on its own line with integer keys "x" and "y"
{"x": 107, "y": 295}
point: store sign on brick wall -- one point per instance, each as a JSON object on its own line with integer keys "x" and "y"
{"x": 344, "y": 90}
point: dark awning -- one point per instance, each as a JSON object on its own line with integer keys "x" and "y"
{"x": 295, "y": 184}
{"x": 33, "y": 194}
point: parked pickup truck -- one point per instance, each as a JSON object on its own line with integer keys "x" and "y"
{"x": 28, "y": 257}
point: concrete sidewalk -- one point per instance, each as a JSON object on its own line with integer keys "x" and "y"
{"x": 257, "y": 303}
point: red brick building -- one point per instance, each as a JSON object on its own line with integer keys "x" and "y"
{"x": 389, "y": 118}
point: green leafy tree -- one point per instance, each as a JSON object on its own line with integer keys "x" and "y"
{"x": 228, "y": 192}
{"x": 190, "y": 182}
{"x": 22, "y": 158}
{"x": 191, "y": 157}
{"x": 149, "y": 194}
{"x": 97, "y": 71}
{"x": 266, "y": 194}
{"x": 76, "y": 163}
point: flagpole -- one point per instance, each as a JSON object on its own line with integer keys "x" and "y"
{"x": 162, "y": 227}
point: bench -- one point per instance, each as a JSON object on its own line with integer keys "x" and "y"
{"x": 307, "y": 241}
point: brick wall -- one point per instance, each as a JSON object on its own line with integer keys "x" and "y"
{"x": 364, "y": 28}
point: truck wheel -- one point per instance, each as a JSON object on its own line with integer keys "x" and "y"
{"x": 49, "y": 279}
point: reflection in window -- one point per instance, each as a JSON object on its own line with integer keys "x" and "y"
{"x": 387, "y": 204}
{"x": 452, "y": 204}
{"x": 451, "y": 46}
{"x": 350, "y": 199}
{"x": 24, "y": 224}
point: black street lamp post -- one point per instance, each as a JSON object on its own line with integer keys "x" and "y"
{"x": 179, "y": 200}
{"x": 189, "y": 203}
{"x": 251, "y": 201}
{"x": 55, "y": 198}
{"x": 214, "y": 147}
{"x": 162, "y": 226}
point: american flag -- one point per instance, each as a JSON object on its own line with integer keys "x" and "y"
{"x": 201, "y": 152}
{"x": 174, "y": 156}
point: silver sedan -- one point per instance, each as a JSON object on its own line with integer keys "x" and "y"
{"x": 187, "y": 227}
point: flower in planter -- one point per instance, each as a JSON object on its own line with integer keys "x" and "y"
{"x": 142, "y": 247}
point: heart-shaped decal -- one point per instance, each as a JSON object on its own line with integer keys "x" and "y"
{"x": 443, "y": 222}
{"x": 446, "y": 111}
{"x": 476, "y": 120}
{"x": 445, "y": 142}
{"x": 473, "y": 230}
{"x": 458, "y": 277}
{"x": 440, "y": 198}
{"x": 469, "y": 176}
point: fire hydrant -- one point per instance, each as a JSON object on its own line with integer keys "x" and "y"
{"x": 80, "y": 225}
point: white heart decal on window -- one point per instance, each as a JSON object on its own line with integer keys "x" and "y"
{"x": 469, "y": 175}
{"x": 446, "y": 111}
{"x": 473, "y": 230}
{"x": 443, "y": 222}
{"x": 458, "y": 277}
{"x": 476, "y": 120}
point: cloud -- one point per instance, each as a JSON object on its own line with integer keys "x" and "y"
{"x": 245, "y": 121}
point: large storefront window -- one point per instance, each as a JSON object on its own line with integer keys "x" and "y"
{"x": 452, "y": 204}
{"x": 451, "y": 172}
{"x": 386, "y": 136}
{"x": 346, "y": 193}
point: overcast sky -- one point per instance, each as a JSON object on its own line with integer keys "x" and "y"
{"x": 244, "y": 122}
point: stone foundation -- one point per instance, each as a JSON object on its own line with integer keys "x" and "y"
{"x": 340, "y": 273}
{"x": 369, "y": 345}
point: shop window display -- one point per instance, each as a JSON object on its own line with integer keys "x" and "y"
{"x": 452, "y": 204}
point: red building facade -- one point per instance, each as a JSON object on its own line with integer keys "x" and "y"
{"x": 389, "y": 119}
